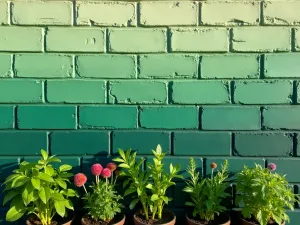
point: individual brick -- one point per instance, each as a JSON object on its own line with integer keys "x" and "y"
{"x": 263, "y": 144}
{"x": 137, "y": 40}
{"x": 141, "y": 141}
{"x": 7, "y": 118}
{"x": 21, "y": 91}
{"x": 263, "y": 92}
{"x": 281, "y": 117}
{"x": 79, "y": 143}
{"x": 274, "y": 15}
{"x": 5, "y": 66}
{"x": 202, "y": 143}
{"x": 199, "y": 40}
{"x": 89, "y": 117}
{"x": 106, "y": 66}
{"x": 297, "y": 39}
{"x": 168, "y": 66}
{"x": 106, "y": 13}
{"x": 282, "y": 65}
{"x": 24, "y": 144}
{"x": 76, "y": 91}
{"x": 132, "y": 92}
{"x": 231, "y": 118}
{"x": 46, "y": 117}
{"x": 3, "y": 12}
{"x": 230, "y": 66}
{"x": 261, "y": 39}
{"x": 169, "y": 13}
{"x": 14, "y": 39}
{"x": 285, "y": 166}
{"x": 7, "y": 165}
{"x": 294, "y": 217}
{"x": 42, "y": 13}
{"x": 75, "y": 39}
{"x": 230, "y": 13}
{"x": 169, "y": 117}
{"x": 200, "y": 92}
{"x": 43, "y": 65}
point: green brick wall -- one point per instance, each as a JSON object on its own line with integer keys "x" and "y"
{"x": 211, "y": 79}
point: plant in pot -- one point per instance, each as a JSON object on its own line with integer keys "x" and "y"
{"x": 103, "y": 202}
{"x": 206, "y": 195}
{"x": 148, "y": 186}
{"x": 40, "y": 190}
{"x": 264, "y": 196}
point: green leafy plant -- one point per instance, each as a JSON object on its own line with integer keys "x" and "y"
{"x": 40, "y": 189}
{"x": 264, "y": 195}
{"x": 149, "y": 186}
{"x": 103, "y": 203}
{"x": 206, "y": 194}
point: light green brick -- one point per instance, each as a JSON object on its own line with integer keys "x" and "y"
{"x": 200, "y": 92}
{"x": 3, "y": 12}
{"x": 42, "y": 13}
{"x": 7, "y": 118}
{"x": 132, "y": 92}
{"x": 5, "y": 65}
{"x": 263, "y": 92}
{"x": 18, "y": 39}
{"x": 106, "y": 66}
{"x": 75, "y": 39}
{"x": 137, "y": 40}
{"x": 21, "y": 91}
{"x": 230, "y": 66}
{"x": 76, "y": 91}
{"x": 168, "y": 66}
{"x": 43, "y": 65}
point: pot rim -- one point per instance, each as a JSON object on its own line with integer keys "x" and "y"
{"x": 225, "y": 214}
{"x": 123, "y": 218}
{"x": 69, "y": 221}
{"x": 165, "y": 210}
{"x": 244, "y": 219}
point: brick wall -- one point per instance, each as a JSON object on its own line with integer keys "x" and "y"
{"x": 214, "y": 80}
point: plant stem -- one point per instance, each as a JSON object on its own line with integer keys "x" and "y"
{"x": 212, "y": 173}
{"x": 106, "y": 183}
{"x": 84, "y": 189}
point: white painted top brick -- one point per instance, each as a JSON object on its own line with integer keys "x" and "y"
{"x": 230, "y": 13}
{"x": 3, "y": 13}
{"x": 282, "y": 13}
{"x": 42, "y": 13}
{"x": 199, "y": 40}
{"x": 168, "y": 13}
{"x": 106, "y": 13}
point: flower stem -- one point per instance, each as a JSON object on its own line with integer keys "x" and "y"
{"x": 84, "y": 189}
{"x": 106, "y": 183}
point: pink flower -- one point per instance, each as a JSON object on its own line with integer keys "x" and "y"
{"x": 106, "y": 173}
{"x": 80, "y": 179}
{"x": 96, "y": 169}
{"x": 112, "y": 166}
{"x": 272, "y": 166}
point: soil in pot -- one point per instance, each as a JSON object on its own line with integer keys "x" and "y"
{"x": 57, "y": 220}
{"x": 88, "y": 220}
{"x": 168, "y": 218}
{"x": 252, "y": 221}
{"x": 222, "y": 219}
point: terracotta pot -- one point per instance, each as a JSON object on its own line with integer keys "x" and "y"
{"x": 120, "y": 221}
{"x": 67, "y": 223}
{"x": 165, "y": 213}
{"x": 245, "y": 222}
{"x": 192, "y": 222}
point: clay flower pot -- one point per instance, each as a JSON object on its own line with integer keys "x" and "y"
{"x": 245, "y": 222}
{"x": 34, "y": 221}
{"x": 168, "y": 218}
{"x": 223, "y": 219}
{"x": 118, "y": 220}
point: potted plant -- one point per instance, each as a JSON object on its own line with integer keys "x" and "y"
{"x": 103, "y": 202}
{"x": 264, "y": 196}
{"x": 206, "y": 195}
{"x": 149, "y": 186}
{"x": 41, "y": 191}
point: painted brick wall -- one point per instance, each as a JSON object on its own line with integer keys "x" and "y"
{"x": 214, "y": 80}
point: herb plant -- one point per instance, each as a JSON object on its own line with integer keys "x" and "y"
{"x": 264, "y": 195}
{"x": 40, "y": 189}
{"x": 150, "y": 186}
{"x": 206, "y": 194}
{"x": 103, "y": 203}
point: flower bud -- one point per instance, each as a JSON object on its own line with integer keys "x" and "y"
{"x": 112, "y": 166}
{"x": 96, "y": 169}
{"x": 106, "y": 173}
{"x": 272, "y": 166}
{"x": 80, "y": 179}
{"x": 213, "y": 165}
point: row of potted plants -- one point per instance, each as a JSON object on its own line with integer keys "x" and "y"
{"x": 42, "y": 191}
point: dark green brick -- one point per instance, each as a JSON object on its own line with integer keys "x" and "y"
{"x": 46, "y": 117}
{"x": 294, "y": 217}
{"x": 108, "y": 117}
{"x": 180, "y": 197}
{"x": 22, "y": 142}
{"x": 141, "y": 141}
{"x": 264, "y": 144}
{"x": 79, "y": 143}
{"x": 7, "y": 165}
{"x": 169, "y": 117}
{"x": 290, "y": 167}
{"x": 7, "y": 119}
{"x": 202, "y": 143}
{"x": 231, "y": 118}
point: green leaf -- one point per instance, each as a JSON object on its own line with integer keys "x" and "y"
{"x": 154, "y": 197}
{"x": 10, "y": 195}
{"x": 129, "y": 191}
{"x": 149, "y": 186}
{"x": 121, "y": 153}
{"x": 19, "y": 181}
{"x": 45, "y": 177}
{"x": 60, "y": 208}
{"x": 133, "y": 203}
{"x": 61, "y": 183}
{"x": 58, "y": 197}
{"x": 125, "y": 183}
{"x": 68, "y": 204}
{"x": 44, "y": 154}
{"x": 171, "y": 168}
{"x": 190, "y": 204}
{"x": 124, "y": 165}
{"x": 64, "y": 168}
{"x": 16, "y": 211}
{"x": 69, "y": 192}
{"x": 45, "y": 194}
{"x": 66, "y": 175}
{"x": 158, "y": 149}
{"x": 36, "y": 183}
{"x": 118, "y": 160}
{"x": 27, "y": 194}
